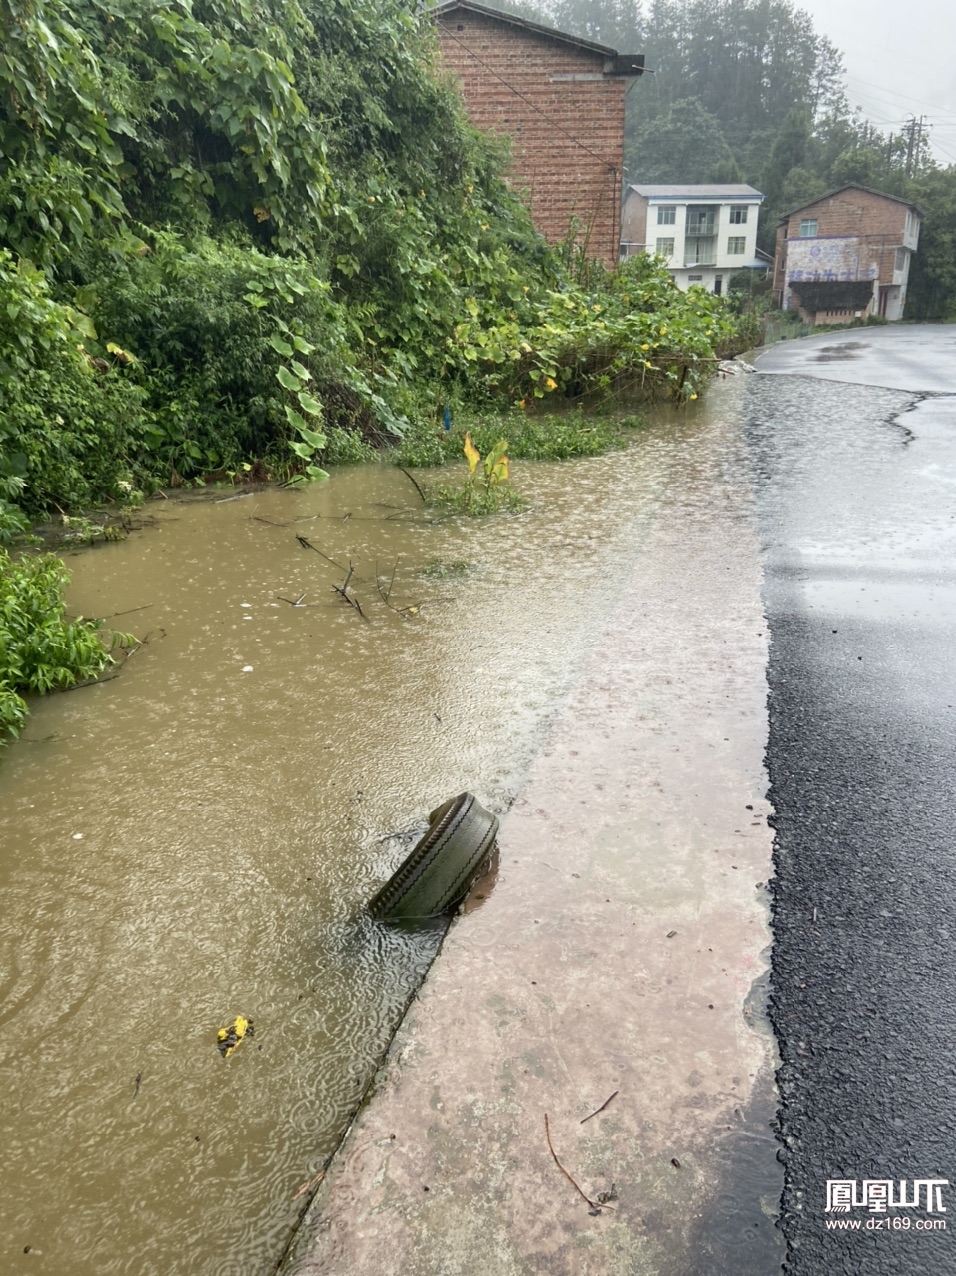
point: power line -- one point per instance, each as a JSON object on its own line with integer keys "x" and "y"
{"x": 927, "y": 106}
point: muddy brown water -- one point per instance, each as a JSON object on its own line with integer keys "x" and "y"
{"x": 194, "y": 839}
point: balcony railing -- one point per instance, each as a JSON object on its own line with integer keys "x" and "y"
{"x": 700, "y": 251}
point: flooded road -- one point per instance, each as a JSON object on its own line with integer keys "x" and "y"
{"x": 193, "y": 839}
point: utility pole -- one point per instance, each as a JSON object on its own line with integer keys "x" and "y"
{"x": 913, "y": 129}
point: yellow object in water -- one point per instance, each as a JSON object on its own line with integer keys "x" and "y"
{"x": 231, "y": 1038}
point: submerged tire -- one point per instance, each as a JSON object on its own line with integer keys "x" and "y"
{"x": 441, "y": 867}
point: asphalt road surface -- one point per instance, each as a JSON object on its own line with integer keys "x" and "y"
{"x": 853, "y": 452}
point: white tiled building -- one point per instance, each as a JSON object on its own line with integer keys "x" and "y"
{"x": 705, "y": 233}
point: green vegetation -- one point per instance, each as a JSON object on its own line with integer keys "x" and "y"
{"x": 39, "y": 649}
{"x": 484, "y": 491}
{"x": 260, "y": 239}
{"x": 548, "y": 437}
{"x": 256, "y": 238}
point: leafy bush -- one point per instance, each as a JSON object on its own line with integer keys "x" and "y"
{"x": 40, "y": 650}
{"x": 71, "y": 431}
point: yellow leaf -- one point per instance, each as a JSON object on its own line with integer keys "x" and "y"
{"x": 261, "y": 214}
{"x": 496, "y": 463}
{"x": 124, "y": 356}
{"x": 229, "y": 1039}
{"x": 471, "y": 453}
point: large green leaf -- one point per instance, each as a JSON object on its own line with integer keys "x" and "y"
{"x": 309, "y": 404}
{"x": 280, "y": 346}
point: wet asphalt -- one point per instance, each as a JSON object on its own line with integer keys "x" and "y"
{"x": 853, "y": 458}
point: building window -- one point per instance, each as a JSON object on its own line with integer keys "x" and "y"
{"x": 738, "y": 214}
{"x": 737, "y": 245}
{"x": 900, "y": 259}
{"x": 665, "y": 248}
{"x": 695, "y": 279}
{"x": 667, "y": 216}
{"x": 808, "y": 228}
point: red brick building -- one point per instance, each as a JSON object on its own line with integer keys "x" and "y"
{"x": 846, "y": 255}
{"x": 561, "y": 101}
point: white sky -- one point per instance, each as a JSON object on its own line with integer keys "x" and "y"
{"x": 899, "y": 57}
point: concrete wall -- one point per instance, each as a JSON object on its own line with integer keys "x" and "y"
{"x": 567, "y": 135}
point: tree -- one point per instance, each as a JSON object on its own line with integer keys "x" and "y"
{"x": 684, "y": 144}
{"x": 932, "y": 286}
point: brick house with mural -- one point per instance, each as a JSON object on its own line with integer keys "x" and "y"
{"x": 846, "y": 256}
{"x": 560, "y": 99}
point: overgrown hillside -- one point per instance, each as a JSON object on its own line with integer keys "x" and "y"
{"x": 261, "y": 234}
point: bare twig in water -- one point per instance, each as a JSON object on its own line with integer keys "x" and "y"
{"x": 307, "y": 544}
{"x": 343, "y": 591}
{"x": 114, "y": 614}
{"x": 292, "y": 603}
{"x": 385, "y": 594}
{"x": 93, "y": 682}
{"x": 309, "y": 1184}
{"x": 414, "y": 482}
{"x": 597, "y": 1206}
{"x": 601, "y": 1108}
{"x": 257, "y": 518}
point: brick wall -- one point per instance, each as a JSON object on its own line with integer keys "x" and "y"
{"x": 876, "y": 222}
{"x": 567, "y": 135}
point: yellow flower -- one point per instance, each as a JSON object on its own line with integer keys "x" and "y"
{"x": 550, "y": 383}
{"x": 693, "y": 396}
{"x": 648, "y": 365}
{"x": 521, "y": 403}
{"x": 663, "y": 331}
{"x": 596, "y": 308}
{"x": 645, "y": 346}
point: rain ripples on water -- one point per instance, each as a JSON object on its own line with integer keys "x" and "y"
{"x": 194, "y": 840}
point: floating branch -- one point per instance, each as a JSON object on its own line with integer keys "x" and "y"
{"x": 129, "y": 612}
{"x": 414, "y": 483}
{"x": 385, "y": 594}
{"x": 307, "y": 544}
{"x": 343, "y": 590}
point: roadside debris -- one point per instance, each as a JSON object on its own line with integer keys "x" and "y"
{"x": 594, "y": 1206}
{"x": 601, "y": 1108}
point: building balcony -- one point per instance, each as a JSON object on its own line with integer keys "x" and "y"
{"x": 700, "y": 252}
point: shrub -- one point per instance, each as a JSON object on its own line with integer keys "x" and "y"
{"x": 71, "y": 429}
{"x": 40, "y": 650}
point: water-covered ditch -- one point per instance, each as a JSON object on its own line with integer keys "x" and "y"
{"x": 193, "y": 840}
